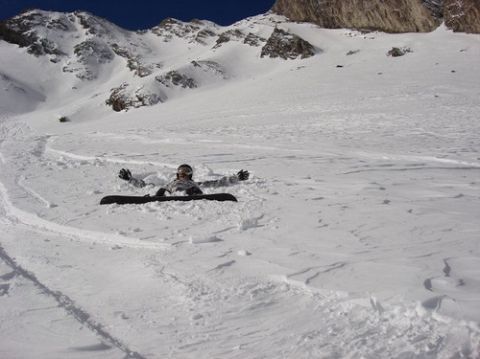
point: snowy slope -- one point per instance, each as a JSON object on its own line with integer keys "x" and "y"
{"x": 356, "y": 236}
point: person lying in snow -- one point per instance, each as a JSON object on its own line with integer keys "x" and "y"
{"x": 184, "y": 181}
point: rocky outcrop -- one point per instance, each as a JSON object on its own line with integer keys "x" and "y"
{"x": 462, "y": 16}
{"x": 227, "y": 36}
{"x": 435, "y": 7}
{"x": 174, "y": 78}
{"x": 134, "y": 62}
{"x": 239, "y": 36}
{"x": 20, "y": 31}
{"x": 398, "y": 52}
{"x": 121, "y": 99}
{"x": 254, "y": 40}
{"x": 387, "y": 15}
{"x": 203, "y": 36}
{"x": 287, "y": 46}
{"x": 210, "y": 67}
{"x": 88, "y": 55}
{"x": 194, "y": 31}
{"x": 95, "y": 25}
{"x": 93, "y": 50}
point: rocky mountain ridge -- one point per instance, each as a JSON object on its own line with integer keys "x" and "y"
{"x": 88, "y": 47}
{"x": 396, "y": 16}
{"x": 79, "y": 55}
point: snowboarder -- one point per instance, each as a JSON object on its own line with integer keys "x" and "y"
{"x": 184, "y": 181}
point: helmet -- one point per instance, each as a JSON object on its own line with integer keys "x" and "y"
{"x": 185, "y": 170}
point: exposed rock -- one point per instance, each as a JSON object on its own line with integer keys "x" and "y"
{"x": 171, "y": 26}
{"x": 254, "y": 40}
{"x": 228, "y": 36}
{"x": 210, "y": 67}
{"x": 463, "y": 16}
{"x": 435, "y": 7}
{"x": 121, "y": 51}
{"x": 133, "y": 62}
{"x": 397, "y": 52}
{"x": 93, "y": 24}
{"x": 138, "y": 68}
{"x": 29, "y": 20}
{"x": 89, "y": 54}
{"x": 81, "y": 72}
{"x": 43, "y": 47}
{"x": 15, "y": 36}
{"x": 194, "y": 31}
{"x": 93, "y": 50}
{"x": 237, "y": 35}
{"x": 174, "y": 78}
{"x": 352, "y": 52}
{"x": 386, "y": 15}
{"x": 120, "y": 99}
{"x": 20, "y": 31}
{"x": 287, "y": 46}
{"x": 203, "y": 35}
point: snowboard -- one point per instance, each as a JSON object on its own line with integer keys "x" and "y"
{"x": 222, "y": 197}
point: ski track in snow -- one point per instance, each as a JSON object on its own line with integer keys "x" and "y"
{"x": 69, "y": 306}
{"x": 40, "y": 224}
{"x": 21, "y": 183}
{"x": 33, "y": 220}
{"x": 214, "y": 310}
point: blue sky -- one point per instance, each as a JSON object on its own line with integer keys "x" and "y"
{"x": 142, "y": 14}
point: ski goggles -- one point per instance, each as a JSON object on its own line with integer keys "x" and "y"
{"x": 184, "y": 172}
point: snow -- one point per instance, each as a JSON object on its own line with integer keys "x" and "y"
{"x": 357, "y": 235}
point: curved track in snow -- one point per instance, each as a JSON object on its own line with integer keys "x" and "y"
{"x": 241, "y": 291}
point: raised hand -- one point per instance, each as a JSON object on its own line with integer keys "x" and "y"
{"x": 243, "y": 175}
{"x": 125, "y": 174}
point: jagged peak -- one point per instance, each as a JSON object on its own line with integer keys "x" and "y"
{"x": 96, "y": 25}
{"x": 193, "y": 31}
{"x": 37, "y": 18}
{"x": 170, "y": 21}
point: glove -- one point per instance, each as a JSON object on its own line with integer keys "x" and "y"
{"x": 243, "y": 175}
{"x": 160, "y": 192}
{"x": 193, "y": 190}
{"x": 125, "y": 174}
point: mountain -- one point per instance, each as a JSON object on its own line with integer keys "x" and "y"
{"x": 83, "y": 53}
{"x": 388, "y": 15}
{"x": 58, "y": 58}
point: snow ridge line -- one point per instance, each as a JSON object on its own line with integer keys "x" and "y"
{"x": 32, "y": 220}
{"x": 70, "y": 307}
{"x": 76, "y": 157}
{"x": 405, "y": 169}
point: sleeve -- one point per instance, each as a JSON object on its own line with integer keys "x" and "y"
{"x": 170, "y": 187}
{"x": 224, "y": 181}
{"x": 137, "y": 182}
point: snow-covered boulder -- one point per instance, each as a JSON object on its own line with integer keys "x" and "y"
{"x": 174, "y": 78}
